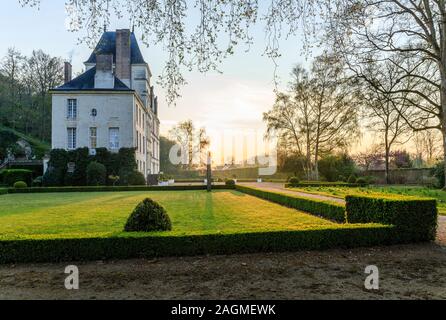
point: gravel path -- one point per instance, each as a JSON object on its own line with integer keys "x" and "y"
{"x": 279, "y": 187}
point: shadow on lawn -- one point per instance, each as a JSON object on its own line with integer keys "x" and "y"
{"x": 208, "y": 218}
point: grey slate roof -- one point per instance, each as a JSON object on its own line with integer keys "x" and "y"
{"x": 86, "y": 82}
{"x": 107, "y": 45}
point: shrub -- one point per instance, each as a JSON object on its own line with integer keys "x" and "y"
{"x": 53, "y": 177}
{"x": 136, "y": 178}
{"x": 96, "y": 174}
{"x": 149, "y": 246}
{"x": 352, "y": 179}
{"x": 81, "y": 159}
{"x": 230, "y": 183}
{"x": 11, "y": 176}
{"x": 370, "y": 179}
{"x": 334, "y": 167}
{"x": 322, "y": 184}
{"x": 37, "y": 182}
{"x": 415, "y": 219}
{"x": 327, "y": 209}
{"x": 148, "y": 216}
{"x": 361, "y": 181}
{"x": 294, "y": 181}
{"x": 20, "y": 185}
{"x": 438, "y": 172}
{"x": 3, "y": 191}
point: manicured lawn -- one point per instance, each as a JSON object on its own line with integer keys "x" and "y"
{"x": 103, "y": 214}
{"x": 341, "y": 192}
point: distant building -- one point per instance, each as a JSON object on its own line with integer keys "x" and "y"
{"x": 112, "y": 104}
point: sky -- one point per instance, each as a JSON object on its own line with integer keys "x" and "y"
{"x": 223, "y": 103}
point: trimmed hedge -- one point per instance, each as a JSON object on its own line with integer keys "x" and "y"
{"x": 11, "y": 176}
{"x": 3, "y": 191}
{"x": 326, "y": 209}
{"x": 115, "y": 188}
{"x": 415, "y": 219}
{"x": 323, "y": 184}
{"x": 139, "y": 246}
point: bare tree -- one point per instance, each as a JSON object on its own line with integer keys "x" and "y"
{"x": 195, "y": 142}
{"x": 428, "y": 146}
{"x": 391, "y": 29}
{"x": 46, "y": 72}
{"x": 319, "y": 114}
{"x": 11, "y": 67}
{"x": 386, "y": 113}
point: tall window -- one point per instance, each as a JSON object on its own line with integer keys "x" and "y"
{"x": 113, "y": 134}
{"x": 93, "y": 137}
{"x": 72, "y": 109}
{"x": 71, "y": 138}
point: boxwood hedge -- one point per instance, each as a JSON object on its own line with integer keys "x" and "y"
{"x": 147, "y": 246}
{"x": 115, "y": 188}
{"x": 326, "y": 209}
{"x": 415, "y": 219}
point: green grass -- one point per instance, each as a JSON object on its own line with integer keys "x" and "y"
{"x": 416, "y": 191}
{"x": 103, "y": 214}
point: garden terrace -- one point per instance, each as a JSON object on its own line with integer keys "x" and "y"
{"x": 45, "y": 226}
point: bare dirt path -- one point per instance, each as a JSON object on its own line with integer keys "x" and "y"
{"x": 409, "y": 272}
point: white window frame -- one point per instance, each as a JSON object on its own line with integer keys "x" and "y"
{"x": 93, "y": 137}
{"x": 113, "y": 138}
{"x": 71, "y": 138}
{"x": 72, "y": 109}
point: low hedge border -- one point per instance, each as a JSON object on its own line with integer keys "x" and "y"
{"x": 116, "y": 188}
{"x": 326, "y": 209}
{"x": 414, "y": 218}
{"x": 324, "y": 184}
{"x": 55, "y": 250}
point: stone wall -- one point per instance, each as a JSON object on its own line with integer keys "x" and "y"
{"x": 420, "y": 176}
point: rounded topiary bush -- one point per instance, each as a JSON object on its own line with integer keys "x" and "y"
{"x": 96, "y": 174}
{"x": 20, "y": 185}
{"x": 148, "y": 216}
{"x": 294, "y": 181}
{"x": 230, "y": 183}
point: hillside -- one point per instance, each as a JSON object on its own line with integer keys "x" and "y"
{"x": 9, "y": 136}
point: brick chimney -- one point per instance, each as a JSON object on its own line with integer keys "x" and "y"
{"x": 104, "y": 78}
{"x": 67, "y": 72}
{"x": 123, "y": 71}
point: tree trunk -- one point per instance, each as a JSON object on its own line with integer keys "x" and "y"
{"x": 443, "y": 123}
{"x": 387, "y": 156}
{"x": 316, "y": 159}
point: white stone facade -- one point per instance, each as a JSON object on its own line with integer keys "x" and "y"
{"x": 110, "y": 114}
